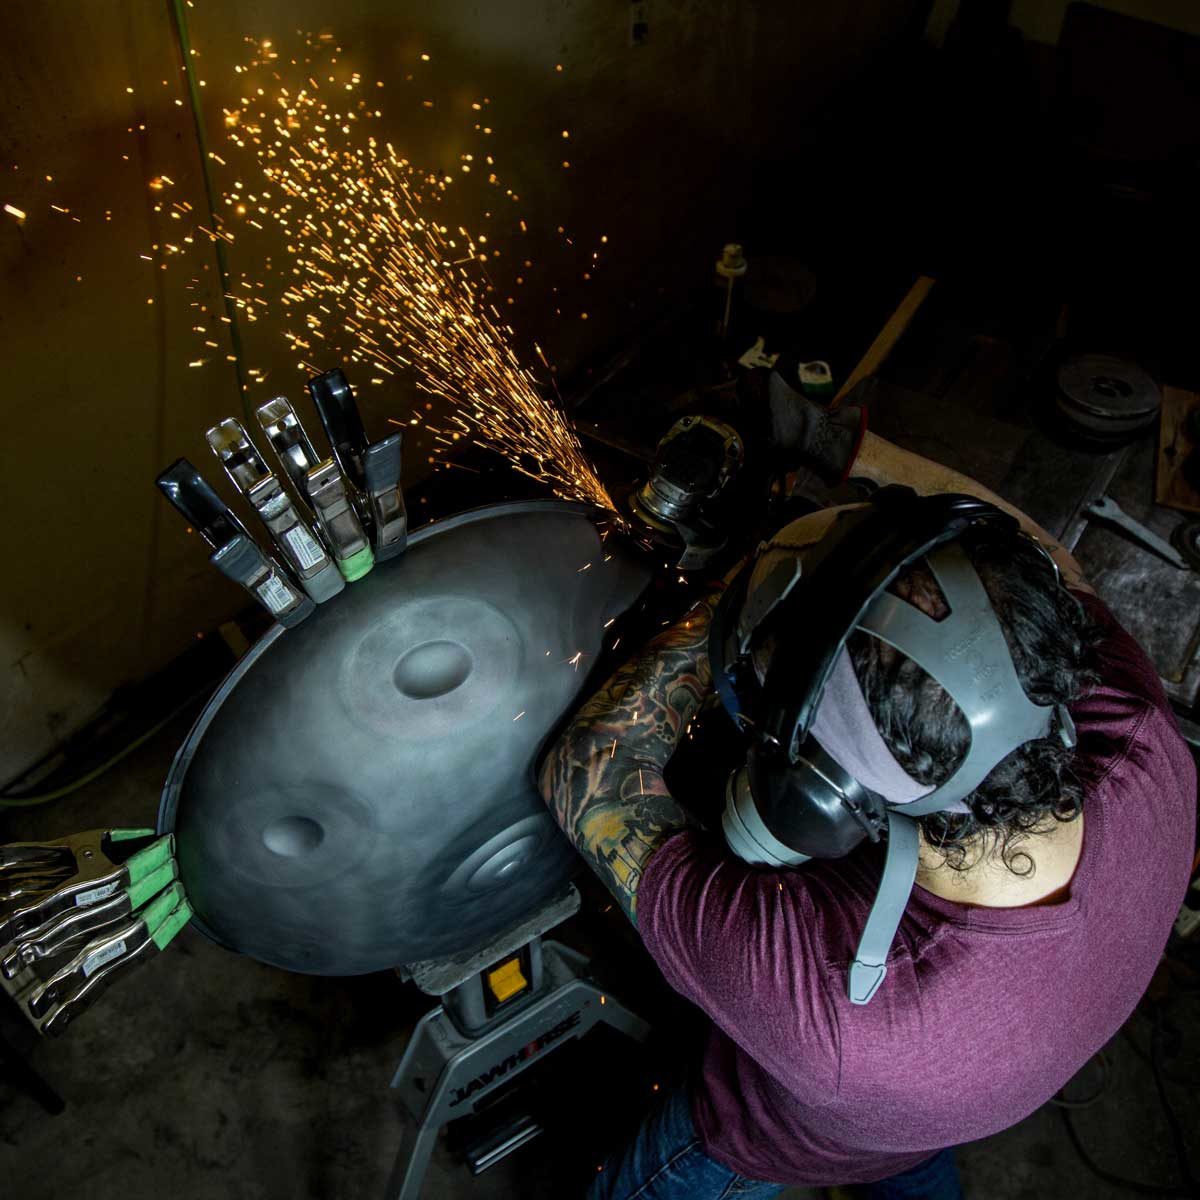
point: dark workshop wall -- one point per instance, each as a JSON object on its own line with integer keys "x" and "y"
{"x": 1042, "y": 20}
{"x": 103, "y": 585}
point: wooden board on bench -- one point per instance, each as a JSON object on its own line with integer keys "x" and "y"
{"x": 1174, "y": 445}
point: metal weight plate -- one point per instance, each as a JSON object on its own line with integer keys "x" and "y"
{"x": 1105, "y": 396}
{"x": 359, "y": 792}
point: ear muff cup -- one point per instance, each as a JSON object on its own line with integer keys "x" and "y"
{"x": 745, "y": 833}
{"x": 812, "y": 805}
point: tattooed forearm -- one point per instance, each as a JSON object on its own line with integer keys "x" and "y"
{"x": 603, "y": 779}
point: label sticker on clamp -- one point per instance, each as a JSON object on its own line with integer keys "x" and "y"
{"x": 274, "y": 594}
{"x": 96, "y": 960}
{"x": 97, "y": 893}
{"x": 304, "y": 546}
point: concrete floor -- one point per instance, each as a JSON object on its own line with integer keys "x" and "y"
{"x": 209, "y": 1075}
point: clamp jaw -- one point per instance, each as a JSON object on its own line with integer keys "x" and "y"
{"x": 373, "y": 468}
{"x": 327, "y": 491}
{"x": 235, "y": 553}
{"x": 292, "y": 534}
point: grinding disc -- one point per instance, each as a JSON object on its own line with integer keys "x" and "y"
{"x": 359, "y": 792}
{"x": 1106, "y": 397}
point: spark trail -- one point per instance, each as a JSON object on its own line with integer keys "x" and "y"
{"x": 372, "y": 266}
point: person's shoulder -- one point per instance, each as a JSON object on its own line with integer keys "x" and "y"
{"x": 1123, "y": 666}
{"x": 1125, "y": 725}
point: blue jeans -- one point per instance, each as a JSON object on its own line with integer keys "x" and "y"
{"x": 665, "y": 1161}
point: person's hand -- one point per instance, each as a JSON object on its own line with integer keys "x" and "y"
{"x": 802, "y": 433}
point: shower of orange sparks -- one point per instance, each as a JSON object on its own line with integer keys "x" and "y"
{"x": 368, "y": 252}
{"x": 371, "y": 262}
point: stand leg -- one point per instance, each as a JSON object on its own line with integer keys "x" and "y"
{"x": 610, "y": 1012}
{"x": 412, "y": 1161}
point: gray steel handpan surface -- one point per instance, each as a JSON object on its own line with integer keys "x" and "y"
{"x": 359, "y": 792}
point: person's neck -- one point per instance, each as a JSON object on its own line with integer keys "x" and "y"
{"x": 1051, "y": 858}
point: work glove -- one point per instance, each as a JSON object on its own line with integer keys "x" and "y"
{"x": 804, "y": 434}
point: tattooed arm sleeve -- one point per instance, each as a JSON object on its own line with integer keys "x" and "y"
{"x": 603, "y": 779}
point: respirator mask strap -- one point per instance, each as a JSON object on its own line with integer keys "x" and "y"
{"x": 895, "y": 886}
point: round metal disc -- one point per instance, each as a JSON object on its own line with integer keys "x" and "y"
{"x": 1107, "y": 395}
{"x": 359, "y": 793}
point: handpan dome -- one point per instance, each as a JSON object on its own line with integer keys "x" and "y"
{"x": 359, "y": 793}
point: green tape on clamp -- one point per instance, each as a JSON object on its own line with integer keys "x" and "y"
{"x": 129, "y": 835}
{"x": 152, "y": 884}
{"x": 179, "y": 917}
{"x": 150, "y": 859}
{"x": 160, "y": 908}
{"x": 357, "y": 565}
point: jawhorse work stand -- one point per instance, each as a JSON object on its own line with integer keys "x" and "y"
{"x": 477, "y": 1041}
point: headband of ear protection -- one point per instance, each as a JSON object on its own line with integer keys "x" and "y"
{"x": 792, "y": 801}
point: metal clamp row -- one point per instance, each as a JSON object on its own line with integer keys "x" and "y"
{"x": 343, "y": 514}
{"x": 78, "y": 913}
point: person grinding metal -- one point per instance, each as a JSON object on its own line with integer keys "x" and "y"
{"x": 965, "y": 819}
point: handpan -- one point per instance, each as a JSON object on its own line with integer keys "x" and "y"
{"x": 359, "y": 793}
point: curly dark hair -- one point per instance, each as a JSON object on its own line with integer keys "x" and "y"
{"x": 1050, "y": 636}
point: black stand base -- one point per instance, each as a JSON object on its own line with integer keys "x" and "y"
{"x": 449, "y": 1069}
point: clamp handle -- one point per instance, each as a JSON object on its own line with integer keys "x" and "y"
{"x": 339, "y": 414}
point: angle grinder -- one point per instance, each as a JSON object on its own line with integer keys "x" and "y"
{"x": 681, "y": 501}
